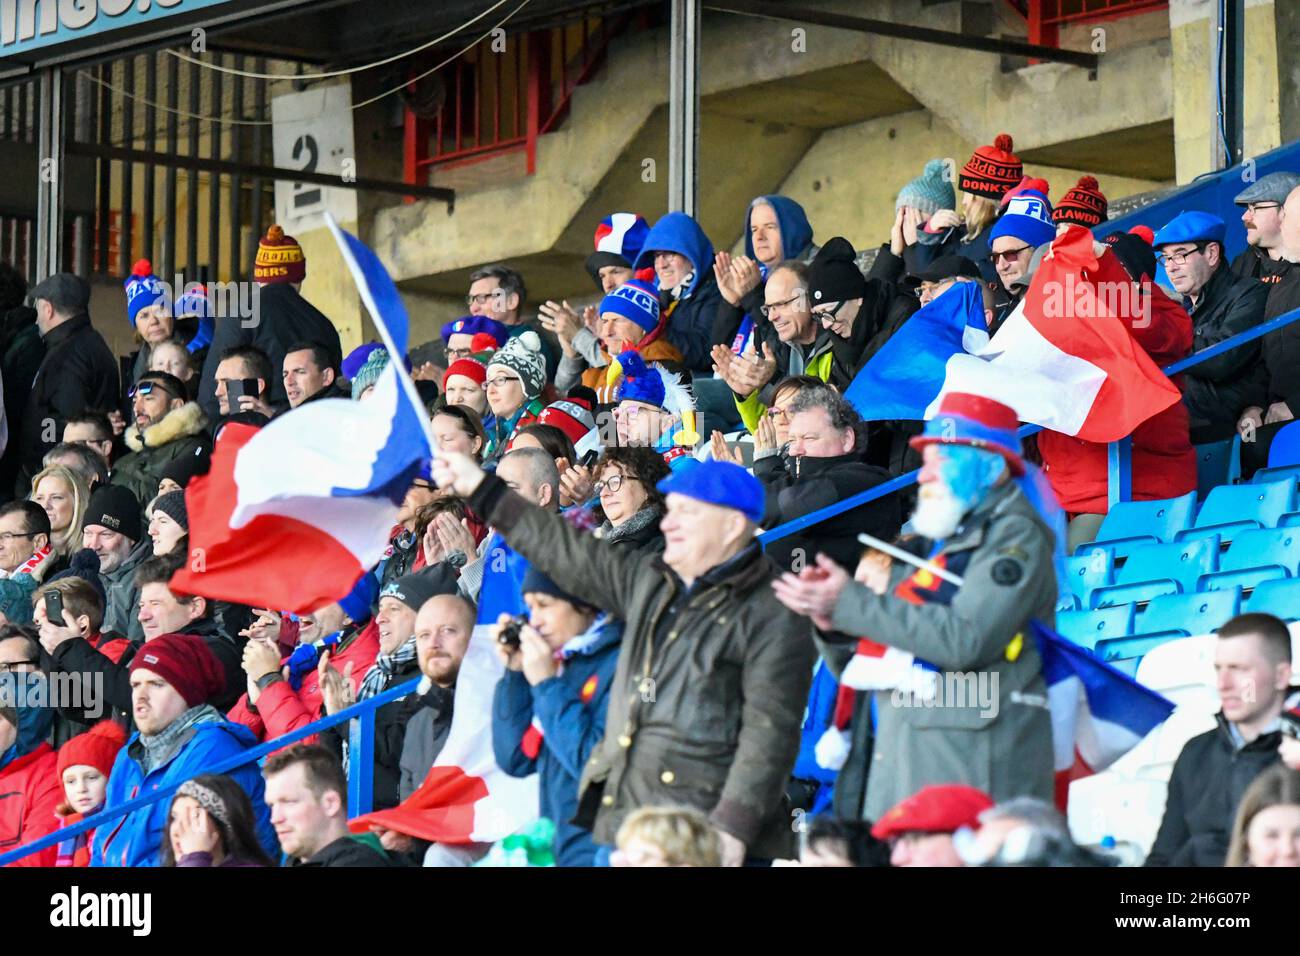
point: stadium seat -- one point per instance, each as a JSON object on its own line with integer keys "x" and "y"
{"x": 1132, "y": 524}
{"x": 1160, "y": 569}
{"x": 1285, "y": 449}
{"x": 1126, "y": 653}
{"x": 1217, "y": 463}
{"x": 1089, "y": 571}
{"x": 1289, "y": 520}
{"x": 1086, "y": 628}
{"x": 1262, "y": 554}
{"x": 1188, "y": 614}
{"x": 1279, "y": 598}
{"x": 1231, "y": 509}
{"x": 1280, "y": 473}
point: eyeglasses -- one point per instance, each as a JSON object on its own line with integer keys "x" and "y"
{"x": 613, "y": 483}
{"x": 501, "y": 381}
{"x": 1008, "y": 254}
{"x": 934, "y": 289}
{"x": 8, "y": 666}
{"x": 767, "y": 310}
{"x": 147, "y": 388}
{"x": 1254, "y": 207}
{"x": 781, "y": 413}
{"x": 455, "y": 354}
{"x": 482, "y": 298}
{"x": 828, "y": 315}
{"x": 426, "y": 485}
{"x": 7, "y": 536}
{"x": 1180, "y": 258}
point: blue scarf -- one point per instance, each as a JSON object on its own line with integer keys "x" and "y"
{"x": 305, "y": 657}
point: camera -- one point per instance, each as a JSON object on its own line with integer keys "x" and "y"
{"x": 509, "y": 635}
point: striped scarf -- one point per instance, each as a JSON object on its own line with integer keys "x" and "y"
{"x": 75, "y": 851}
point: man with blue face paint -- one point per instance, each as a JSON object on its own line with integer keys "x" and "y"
{"x": 972, "y": 706}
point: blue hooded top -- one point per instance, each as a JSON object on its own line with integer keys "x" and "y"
{"x": 679, "y": 233}
{"x": 34, "y": 723}
{"x": 796, "y": 233}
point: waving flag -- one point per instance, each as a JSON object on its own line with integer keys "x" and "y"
{"x": 467, "y": 798}
{"x": 1098, "y": 713}
{"x": 290, "y": 516}
{"x": 1064, "y": 359}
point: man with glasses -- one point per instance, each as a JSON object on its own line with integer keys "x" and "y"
{"x": 458, "y": 336}
{"x": 1222, "y": 305}
{"x": 94, "y": 431}
{"x": 1261, "y": 213}
{"x": 20, "y": 653}
{"x": 24, "y": 537}
{"x": 78, "y": 370}
{"x": 789, "y": 342}
{"x": 1026, "y": 225}
{"x": 166, "y": 426}
{"x": 497, "y": 292}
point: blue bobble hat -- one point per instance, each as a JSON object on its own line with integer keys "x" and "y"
{"x": 635, "y": 301}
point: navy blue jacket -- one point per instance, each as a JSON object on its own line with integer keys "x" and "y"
{"x": 571, "y": 710}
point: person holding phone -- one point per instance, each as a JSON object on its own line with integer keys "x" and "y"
{"x": 243, "y": 378}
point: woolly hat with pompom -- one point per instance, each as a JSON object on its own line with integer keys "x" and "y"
{"x": 279, "y": 259}
{"x": 369, "y": 373}
{"x": 929, "y": 192}
{"x": 992, "y": 170}
{"x": 522, "y": 355}
{"x": 1084, "y": 204}
{"x": 144, "y": 289}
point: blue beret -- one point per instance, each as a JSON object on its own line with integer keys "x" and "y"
{"x": 473, "y": 325}
{"x": 719, "y": 483}
{"x": 1194, "y": 226}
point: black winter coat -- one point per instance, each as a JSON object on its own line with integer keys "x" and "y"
{"x": 77, "y": 373}
{"x": 1216, "y": 391}
{"x": 1205, "y": 788}
{"x": 21, "y": 354}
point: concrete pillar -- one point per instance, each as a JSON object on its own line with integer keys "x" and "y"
{"x": 684, "y": 107}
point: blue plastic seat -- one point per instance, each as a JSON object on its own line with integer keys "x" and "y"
{"x": 1258, "y": 555}
{"x": 1086, "y": 628}
{"x": 1189, "y": 614}
{"x": 1285, "y": 449}
{"x": 1126, "y": 653}
{"x": 1217, "y": 463}
{"x": 1279, "y": 598}
{"x": 1089, "y": 571}
{"x": 1280, "y": 473}
{"x": 1132, "y": 524}
{"x": 1160, "y": 569}
{"x": 1232, "y": 509}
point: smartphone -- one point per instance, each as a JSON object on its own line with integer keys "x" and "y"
{"x": 590, "y": 458}
{"x": 238, "y": 387}
{"x": 54, "y": 607}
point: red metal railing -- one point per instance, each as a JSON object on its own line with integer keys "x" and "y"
{"x": 501, "y": 101}
{"x": 1046, "y": 17}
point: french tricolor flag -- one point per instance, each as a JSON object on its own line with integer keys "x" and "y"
{"x": 1064, "y": 359}
{"x": 467, "y": 797}
{"x": 1098, "y": 713}
{"x": 290, "y": 516}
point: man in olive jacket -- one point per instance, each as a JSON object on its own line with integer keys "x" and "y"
{"x": 708, "y": 698}
{"x": 986, "y": 722}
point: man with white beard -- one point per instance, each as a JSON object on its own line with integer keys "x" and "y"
{"x": 978, "y": 513}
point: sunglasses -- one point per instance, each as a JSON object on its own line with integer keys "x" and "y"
{"x": 148, "y": 388}
{"x": 1008, "y": 254}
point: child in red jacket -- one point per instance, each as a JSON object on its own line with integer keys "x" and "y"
{"x": 85, "y": 762}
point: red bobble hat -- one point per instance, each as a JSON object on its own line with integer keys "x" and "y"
{"x": 279, "y": 259}
{"x": 96, "y": 748}
{"x": 1084, "y": 204}
{"x": 992, "y": 170}
{"x": 934, "y": 809}
{"x": 570, "y": 416}
{"x": 185, "y": 662}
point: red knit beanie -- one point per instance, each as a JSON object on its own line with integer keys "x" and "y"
{"x": 1084, "y": 204}
{"x": 991, "y": 170}
{"x": 96, "y": 748}
{"x": 1027, "y": 183}
{"x": 468, "y": 367}
{"x": 185, "y": 662}
{"x": 279, "y": 259}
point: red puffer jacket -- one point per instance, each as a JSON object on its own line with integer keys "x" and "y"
{"x": 30, "y": 793}
{"x": 1164, "y": 462}
{"x": 281, "y": 709}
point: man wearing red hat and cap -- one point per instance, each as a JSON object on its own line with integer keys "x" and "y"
{"x": 180, "y": 734}
{"x": 920, "y": 828}
{"x": 988, "y": 521}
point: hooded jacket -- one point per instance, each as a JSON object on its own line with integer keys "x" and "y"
{"x": 1216, "y": 391}
{"x": 136, "y": 839}
{"x": 178, "y": 434}
{"x": 284, "y": 318}
{"x": 77, "y": 372}
{"x": 1164, "y": 462}
{"x": 690, "y": 315}
{"x": 551, "y": 729}
{"x": 1205, "y": 788}
{"x": 30, "y": 790}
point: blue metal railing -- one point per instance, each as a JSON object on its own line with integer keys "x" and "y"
{"x": 361, "y": 740}
{"x": 360, "y": 746}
